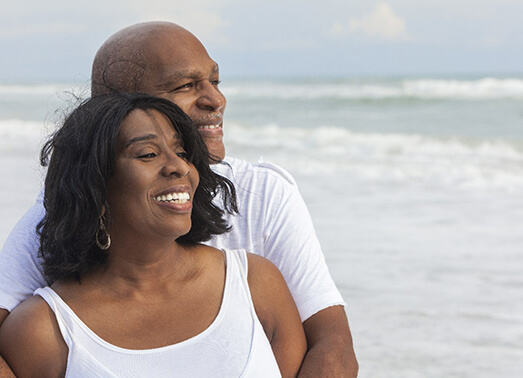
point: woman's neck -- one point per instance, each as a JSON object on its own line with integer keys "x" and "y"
{"x": 147, "y": 267}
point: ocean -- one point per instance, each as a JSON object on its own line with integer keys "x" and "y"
{"x": 415, "y": 188}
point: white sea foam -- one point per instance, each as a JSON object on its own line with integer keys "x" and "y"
{"x": 18, "y": 134}
{"x": 32, "y": 89}
{"x": 480, "y": 163}
{"x": 485, "y": 88}
{"x": 451, "y": 161}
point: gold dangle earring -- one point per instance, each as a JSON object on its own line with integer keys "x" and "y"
{"x": 102, "y": 232}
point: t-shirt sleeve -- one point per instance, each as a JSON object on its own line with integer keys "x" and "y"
{"x": 292, "y": 245}
{"x": 20, "y": 268}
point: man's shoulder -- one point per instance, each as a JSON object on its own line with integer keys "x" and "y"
{"x": 242, "y": 170}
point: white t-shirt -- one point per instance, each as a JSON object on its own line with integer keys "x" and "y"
{"x": 234, "y": 345}
{"x": 273, "y": 222}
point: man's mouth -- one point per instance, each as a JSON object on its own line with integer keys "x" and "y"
{"x": 207, "y": 127}
{"x": 210, "y": 125}
{"x": 210, "y": 131}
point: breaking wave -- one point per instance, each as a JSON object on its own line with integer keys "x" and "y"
{"x": 454, "y": 161}
{"x": 485, "y": 88}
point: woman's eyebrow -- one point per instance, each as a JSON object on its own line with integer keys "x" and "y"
{"x": 141, "y": 139}
{"x": 147, "y": 137}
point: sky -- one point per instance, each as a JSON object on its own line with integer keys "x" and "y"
{"x": 56, "y": 40}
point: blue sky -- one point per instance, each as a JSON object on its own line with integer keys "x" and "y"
{"x": 57, "y": 39}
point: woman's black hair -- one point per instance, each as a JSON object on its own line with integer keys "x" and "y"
{"x": 81, "y": 158}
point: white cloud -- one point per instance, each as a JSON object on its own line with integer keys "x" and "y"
{"x": 201, "y": 17}
{"x": 382, "y": 23}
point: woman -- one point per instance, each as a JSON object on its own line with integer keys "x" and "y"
{"x": 129, "y": 198}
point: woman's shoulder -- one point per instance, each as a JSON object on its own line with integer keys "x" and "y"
{"x": 268, "y": 288}
{"x": 263, "y": 269}
{"x": 32, "y": 316}
{"x": 208, "y": 254}
{"x": 30, "y": 339}
{"x": 277, "y": 313}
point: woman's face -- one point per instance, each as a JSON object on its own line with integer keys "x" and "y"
{"x": 151, "y": 192}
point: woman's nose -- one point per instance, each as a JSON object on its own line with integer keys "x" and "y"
{"x": 175, "y": 166}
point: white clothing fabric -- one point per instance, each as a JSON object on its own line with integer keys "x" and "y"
{"x": 21, "y": 270}
{"x": 234, "y": 345}
{"x": 273, "y": 222}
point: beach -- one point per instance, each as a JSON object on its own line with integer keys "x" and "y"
{"x": 415, "y": 188}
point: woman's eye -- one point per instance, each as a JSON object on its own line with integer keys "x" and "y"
{"x": 147, "y": 156}
{"x": 182, "y": 155}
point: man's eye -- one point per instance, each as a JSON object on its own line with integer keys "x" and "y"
{"x": 184, "y": 86}
{"x": 216, "y": 82}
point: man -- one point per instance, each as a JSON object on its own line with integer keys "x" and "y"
{"x": 165, "y": 60}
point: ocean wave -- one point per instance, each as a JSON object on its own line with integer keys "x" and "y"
{"x": 495, "y": 163}
{"x": 39, "y": 89}
{"x": 459, "y": 162}
{"x": 485, "y": 88}
{"x": 20, "y": 135}
{"x": 356, "y": 89}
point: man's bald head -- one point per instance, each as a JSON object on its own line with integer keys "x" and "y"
{"x": 121, "y": 62}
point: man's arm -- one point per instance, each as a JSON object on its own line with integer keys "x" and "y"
{"x": 329, "y": 341}
{"x": 275, "y": 216}
{"x": 5, "y": 371}
{"x": 294, "y": 248}
{"x": 20, "y": 270}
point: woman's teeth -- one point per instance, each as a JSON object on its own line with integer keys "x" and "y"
{"x": 173, "y": 197}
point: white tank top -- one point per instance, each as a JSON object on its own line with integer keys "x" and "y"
{"x": 234, "y": 345}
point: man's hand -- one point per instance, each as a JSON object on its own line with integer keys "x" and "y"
{"x": 5, "y": 371}
{"x": 330, "y": 351}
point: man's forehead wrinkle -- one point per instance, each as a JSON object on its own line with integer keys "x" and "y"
{"x": 119, "y": 64}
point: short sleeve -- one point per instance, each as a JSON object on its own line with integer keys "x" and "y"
{"x": 20, "y": 268}
{"x": 292, "y": 245}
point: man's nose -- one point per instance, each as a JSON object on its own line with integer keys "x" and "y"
{"x": 210, "y": 96}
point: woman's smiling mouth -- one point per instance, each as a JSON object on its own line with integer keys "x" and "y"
{"x": 180, "y": 198}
